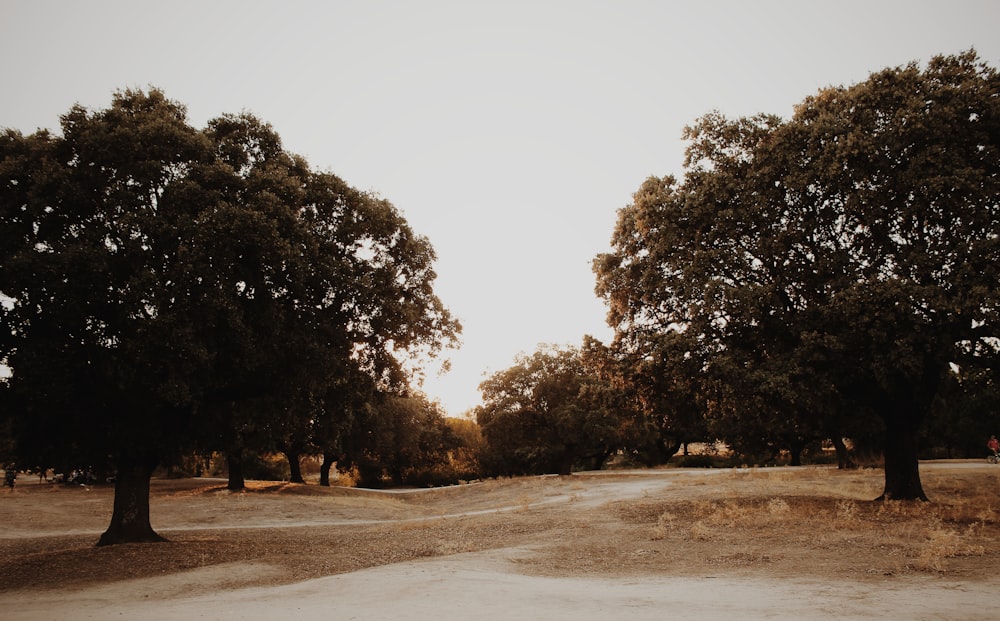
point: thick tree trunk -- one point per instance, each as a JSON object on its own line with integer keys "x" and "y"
{"x": 669, "y": 450}
{"x": 396, "y": 475}
{"x": 294, "y": 467}
{"x": 902, "y": 471}
{"x": 795, "y": 453}
{"x": 130, "y": 516}
{"x": 566, "y": 460}
{"x": 237, "y": 481}
{"x": 324, "y": 470}
{"x": 597, "y": 461}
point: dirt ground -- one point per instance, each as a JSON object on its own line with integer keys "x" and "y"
{"x": 770, "y": 543}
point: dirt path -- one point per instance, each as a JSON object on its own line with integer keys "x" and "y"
{"x": 485, "y": 586}
{"x": 677, "y": 544}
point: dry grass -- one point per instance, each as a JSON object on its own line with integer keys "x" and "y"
{"x": 888, "y": 537}
{"x": 767, "y": 522}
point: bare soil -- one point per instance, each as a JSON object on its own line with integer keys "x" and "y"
{"x": 765, "y": 543}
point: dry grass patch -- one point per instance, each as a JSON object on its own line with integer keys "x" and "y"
{"x": 807, "y": 522}
{"x": 884, "y": 537}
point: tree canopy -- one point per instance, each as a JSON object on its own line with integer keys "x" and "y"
{"x": 829, "y": 268}
{"x": 170, "y": 288}
{"x": 548, "y": 413}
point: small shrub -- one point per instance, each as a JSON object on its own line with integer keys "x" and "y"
{"x": 943, "y": 544}
{"x": 778, "y": 507}
{"x": 847, "y": 511}
{"x": 664, "y": 524}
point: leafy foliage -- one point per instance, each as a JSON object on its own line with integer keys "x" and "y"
{"x": 546, "y": 414}
{"x": 171, "y": 289}
{"x": 403, "y": 440}
{"x": 828, "y": 269}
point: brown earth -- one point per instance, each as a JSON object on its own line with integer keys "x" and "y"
{"x": 762, "y": 540}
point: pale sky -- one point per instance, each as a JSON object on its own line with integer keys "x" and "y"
{"x": 508, "y": 133}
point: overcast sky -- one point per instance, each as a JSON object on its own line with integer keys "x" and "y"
{"x": 508, "y": 133}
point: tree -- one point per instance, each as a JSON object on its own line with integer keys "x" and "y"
{"x": 382, "y": 306}
{"x": 405, "y": 439}
{"x": 965, "y": 413}
{"x": 464, "y": 458}
{"x": 173, "y": 288}
{"x": 655, "y": 390}
{"x": 829, "y": 268}
{"x": 546, "y": 414}
{"x": 344, "y": 407}
{"x": 82, "y": 254}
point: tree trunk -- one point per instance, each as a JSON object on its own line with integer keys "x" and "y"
{"x": 795, "y": 453}
{"x": 237, "y": 481}
{"x": 902, "y": 471}
{"x": 565, "y": 462}
{"x": 324, "y": 470}
{"x": 844, "y": 461}
{"x": 130, "y": 516}
{"x": 669, "y": 450}
{"x": 294, "y": 467}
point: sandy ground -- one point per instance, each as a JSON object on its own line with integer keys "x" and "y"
{"x": 785, "y": 543}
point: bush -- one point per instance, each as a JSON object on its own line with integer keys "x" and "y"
{"x": 270, "y": 467}
{"x": 186, "y": 466}
{"x": 702, "y": 461}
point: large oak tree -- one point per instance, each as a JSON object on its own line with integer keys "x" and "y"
{"x": 168, "y": 288}
{"x": 830, "y": 267}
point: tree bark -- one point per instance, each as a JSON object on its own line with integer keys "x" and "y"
{"x": 844, "y": 461}
{"x": 324, "y": 469}
{"x": 237, "y": 481}
{"x": 669, "y": 450}
{"x": 130, "y": 516}
{"x": 565, "y": 460}
{"x": 795, "y": 453}
{"x": 902, "y": 470}
{"x": 294, "y": 467}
